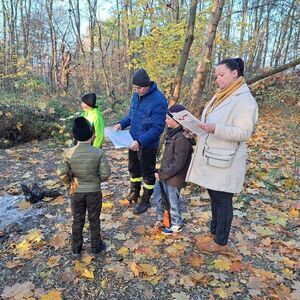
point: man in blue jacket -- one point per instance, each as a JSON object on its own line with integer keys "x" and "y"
{"x": 146, "y": 119}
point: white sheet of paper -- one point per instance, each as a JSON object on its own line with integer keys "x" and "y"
{"x": 120, "y": 139}
{"x": 188, "y": 121}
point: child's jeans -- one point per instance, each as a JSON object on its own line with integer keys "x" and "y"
{"x": 173, "y": 195}
{"x": 80, "y": 203}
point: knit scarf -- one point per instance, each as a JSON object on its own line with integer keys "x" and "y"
{"x": 222, "y": 95}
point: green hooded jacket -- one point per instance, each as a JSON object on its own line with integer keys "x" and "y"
{"x": 94, "y": 116}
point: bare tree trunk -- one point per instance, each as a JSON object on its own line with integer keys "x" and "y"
{"x": 228, "y": 27}
{"x": 65, "y": 62}
{"x": 128, "y": 39}
{"x": 53, "y": 63}
{"x": 185, "y": 51}
{"x": 75, "y": 12}
{"x": 25, "y": 19}
{"x": 283, "y": 34}
{"x": 267, "y": 34}
{"x": 92, "y": 26}
{"x": 103, "y": 65}
{"x": 199, "y": 79}
{"x": 243, "y": 27}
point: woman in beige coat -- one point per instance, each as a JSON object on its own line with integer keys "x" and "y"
{"x": 219, "y": 160}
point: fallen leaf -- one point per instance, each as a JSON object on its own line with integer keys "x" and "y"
{"x": 123, "y": 251}
{"x": 13, "y": 264}
{"x": 221, "y": 293}
{"x": 23, "y": 205}
{"x": 134, "y": 269}
{"x": 294, "y": 212}
{"x": 52, "y": 295}
{"x": 195, "y": 260}
{"x": 147, "y": 269}
{"x": 141, "y": 229}
{"x": 107, "y": 205}
{"x": 54, "y": 261}
{"x": 58, "y": 201}
{"x": 180, "y": 296}
{"x": 59, "y": 240}
{"x": 18, "y": 291}
{"x": 87, "y": 274}
{"x": 222, "y": 265}
{"x": 19, "y": 126}
{"x": 124, "y": 202}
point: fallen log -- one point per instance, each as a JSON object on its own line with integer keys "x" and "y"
{"x": 20, "y": 124}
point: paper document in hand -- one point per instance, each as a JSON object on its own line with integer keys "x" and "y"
{"x": 120, "y": 138}
{"x": 188, "y": 121}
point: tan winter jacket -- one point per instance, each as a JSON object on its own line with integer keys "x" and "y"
{"x": 87, "y": 165}
{"x": 235, "y": 118}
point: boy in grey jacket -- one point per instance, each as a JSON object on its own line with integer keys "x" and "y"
{"x": 88, "y": 167}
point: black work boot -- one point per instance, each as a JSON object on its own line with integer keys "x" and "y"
{"x": 145, "y": 202}
{"x": 134, "y": 193}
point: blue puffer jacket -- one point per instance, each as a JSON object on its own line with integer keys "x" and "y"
{"x": 146, "y": 117}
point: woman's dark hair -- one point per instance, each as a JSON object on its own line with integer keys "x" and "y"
{"x": 233, "y": 64}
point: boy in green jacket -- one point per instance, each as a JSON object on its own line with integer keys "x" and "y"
{"x": 93, "y": 114}
{"x": 88, "y": 167}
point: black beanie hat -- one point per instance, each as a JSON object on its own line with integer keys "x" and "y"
{"x": 89, "y": 99}
{"x": 141, "y": 78}
{"x": 82, "y": 129}
{"x": 175, "y": 108}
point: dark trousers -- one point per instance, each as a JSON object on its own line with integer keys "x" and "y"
{"x": 142, "y": 164}
{"x": 222, "y": 214}
{"x": 80, "y": 203}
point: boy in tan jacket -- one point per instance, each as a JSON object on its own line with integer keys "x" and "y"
{"x": 88, "y": 167}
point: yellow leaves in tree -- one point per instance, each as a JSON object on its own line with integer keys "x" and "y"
{"x": 222, "y": 265}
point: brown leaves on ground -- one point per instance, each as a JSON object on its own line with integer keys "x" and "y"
{"x": 262, "y": 261}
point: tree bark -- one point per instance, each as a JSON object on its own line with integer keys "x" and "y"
{"x": 185, "y": 52}
{"x": 274, "y": 71}
{"x": 199, "y": 80}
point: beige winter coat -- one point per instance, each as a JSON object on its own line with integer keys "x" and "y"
{"x": 235, "y": 118}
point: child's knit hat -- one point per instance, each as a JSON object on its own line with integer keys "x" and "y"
{"x": 89, "y": 99}
{"x": 82, "y": 129}
{"x": 175, "y": 108}
{"x": 141, "y": 78}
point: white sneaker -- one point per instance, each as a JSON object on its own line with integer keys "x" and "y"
{"x": 171, "y": 230}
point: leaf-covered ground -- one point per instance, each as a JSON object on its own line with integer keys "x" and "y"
{"x": 141, "y": 263}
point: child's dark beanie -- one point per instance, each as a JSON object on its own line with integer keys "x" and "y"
{"x": 141, "y": 78}
{"x": 175, "y": 108}
{"x": 89, "y": 99}
{"x": 82, "y": 129}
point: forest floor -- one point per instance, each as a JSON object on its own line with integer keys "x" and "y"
{"x": 140, "y": 262}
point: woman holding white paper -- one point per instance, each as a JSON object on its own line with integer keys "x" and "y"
{"x": 219, "y": 160}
